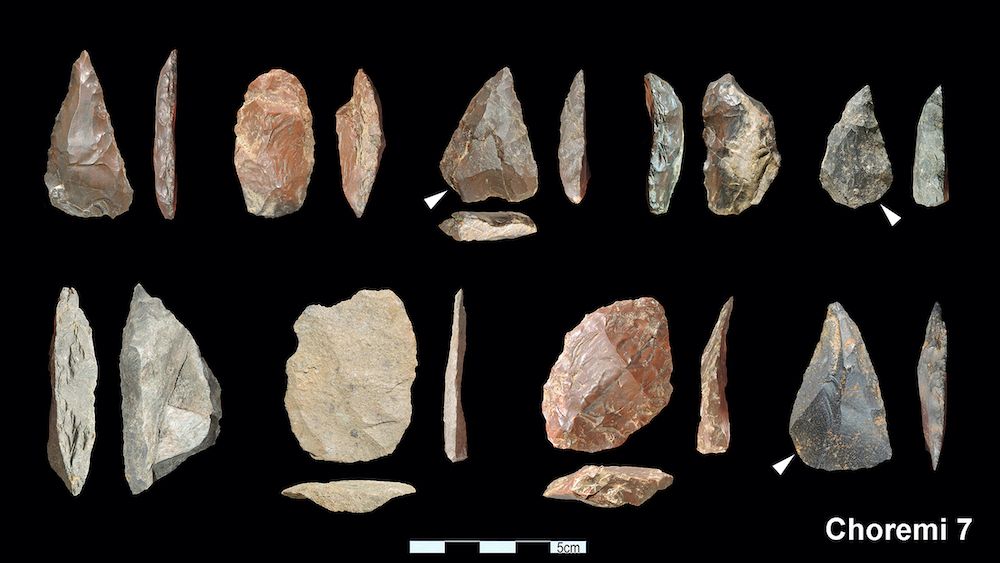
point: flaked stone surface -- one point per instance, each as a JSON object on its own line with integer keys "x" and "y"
{"x": 838, "y": 419}
{"x": 164, "y": 148}
{"x": 274, "y": 144}
{"x": 742, "y": 154}
{"x": 455, "y": 440}
{"x": 856, "y": 168}
{"x": 360, "y": 142}
{"x": 350, "y": 495}
{"x": 171, "y": 404}
{"x": 73, "y": 375}
{"x": 667, "y": 152}
{"x": 713, "y": 429}
{"x": 574, "y": 170}
{"x": 609, "y": 486}
{"x": 348, "y": 395}
{"x": 85, "y": 176}
{"x": 612, "y": 377}
{"x": 487, "y": 225}
{"x": 490, "y": 153}
{"x": 930, "y": 170}
{"x": 932, "y": 383}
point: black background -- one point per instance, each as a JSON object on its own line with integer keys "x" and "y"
{"x": 238, "y": 281}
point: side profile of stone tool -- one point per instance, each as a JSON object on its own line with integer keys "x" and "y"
{"x": 490, "y": 153}
{"x": 348, "y": 394}
{"x": 856, "y": 168}
{"x": 930, "y": 169}
{"x": 612, "y": 377}
{"x": 932, "y": 383}
{"x": 73, "y": 375}
{"x": 667, "y": 152}
{"x": 455, "y": 440}
{"x": 360, "y": 142}
{"x": 85, "y": 176}
{"x": 487, "y": 225}
{"x": 164, "y": 148}
{"x": 609, "y": 486}
{"x": 838, "y": 419}
{"x": 713, "y": 429}
{"x": 274, "y": 144}
{"x": 574, "y": 170}
{"x": 357, "y": 496}
{"x": 171, "y": 405}
{"x": 742, "y": 155}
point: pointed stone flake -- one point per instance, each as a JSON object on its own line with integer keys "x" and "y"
{"x": 612, "y": 377}
{"x": 348, "y": 395}
{"x": 742, "y": 156}
{"x": 932, "y": 379}
{"x": 73, "y": 374}
{"x": 86, "y": 173}
{"x": 356, "y": 496}
{"x": 609, "y": 486}
{"x": 487, "y": 225}
{"x": 171, "y": 405}
{"x": 274, "y": 144}
{"x": 713, "y": 430}
{"x": 573, "y": 167}
{"x": 838, "y": 420}
{"x": 856, "y": 168}
{"x": 490, "y": 154}
{"x": 360, "y": 142}
{"x": 665, "y": 157}
{"x": 930, "y": 171}
{"x": 455, "y": 441}
{"x": 164, "y": 153}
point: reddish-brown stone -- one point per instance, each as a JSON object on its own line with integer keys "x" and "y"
{"x": 274, "y": 144}
{"x": 609, "y": 486}
{"x": 612, "y": 377}
{"x": 360, "y": 142}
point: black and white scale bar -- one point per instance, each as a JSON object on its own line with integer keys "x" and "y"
{"x": 560, "y": 547}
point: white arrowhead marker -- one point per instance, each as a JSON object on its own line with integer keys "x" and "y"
{"x": 433, "y": 200}
{"x": 782, "y": 465}
{"x": 890, "y": 215}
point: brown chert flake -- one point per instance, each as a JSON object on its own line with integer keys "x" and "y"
{"x": 743, "y": 157}
{"x": 612, "y": 377}
{"x": 164, "y": 152}
{"x": 85, "y": 176}
{"x": 487, "y": 225}
{"x": 360, "y": 142}
{"x": 667, "y": 152}
{"x": 573, "y": 166}
{"x": 932, "y": 379}
{"x": 455, "y": 441}
{"x": 490, "y": 154}
{"x": 274, "y": 144}
{"x": 838, "y": 419}
{"x": 609, "y": 486}
{"x": 713, "y": 430}
{"x": 356, "y": 496}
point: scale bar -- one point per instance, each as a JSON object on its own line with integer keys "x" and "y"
{"x": 560, "y": 547}
{"x": 497, "y": 547}
{"x": 424, "y": 546}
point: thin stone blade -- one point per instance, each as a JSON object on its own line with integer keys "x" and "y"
{"x": 932, "y": 383}
{"x": 574, "y": 170}
{"x": 171, "y": 405}
{"x": 930, "y": 170}
{"x": 487, "y": 225}
{"x": 838, "y": 421}
{"x": 856, "y": 168}
{"x": 164, "y": 150}
{"x": 742, "y": 154}
{"x": 357, "y": 496}
{"x": 360, "y": 142}
{"x": 667, "y": 152}
{"x": 609, "y": 486}
{"x": 455, "y": 440}
{"x": 490, "y": 153}
{"x": 73, "y": 375}
{"x": 713, "y": 429}
{"x": 86, "y": 176}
